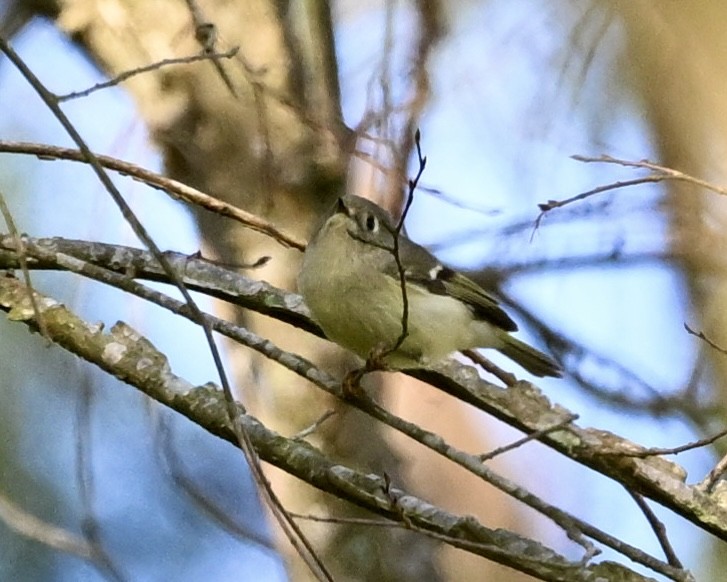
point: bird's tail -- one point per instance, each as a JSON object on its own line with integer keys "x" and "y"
{"x": 534, "y": 361}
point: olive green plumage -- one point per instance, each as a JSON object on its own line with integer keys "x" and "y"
{"x": 351, "y": 282}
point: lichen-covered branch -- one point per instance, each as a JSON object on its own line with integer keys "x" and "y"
{"x": 130, "y": 357}
{"x": 522, "y": 406}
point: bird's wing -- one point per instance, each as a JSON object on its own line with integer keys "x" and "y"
{"x": 422, "y": 268}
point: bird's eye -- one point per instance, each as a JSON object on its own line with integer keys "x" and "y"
{"x": 371, "y": 223}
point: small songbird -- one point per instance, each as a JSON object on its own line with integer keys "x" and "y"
{"x": 352, "y": 284}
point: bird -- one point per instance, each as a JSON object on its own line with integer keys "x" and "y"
{"x": 351, "y": 280}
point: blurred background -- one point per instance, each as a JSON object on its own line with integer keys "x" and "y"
{"x": 327, "y": 97}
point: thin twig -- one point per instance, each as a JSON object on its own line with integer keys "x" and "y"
{"x": 205, "y": 33}
{"x": 315, "y": 426}
{"x": 710, "y": 481}
{"x": 23, "y": 262}
{"x": 45, "y": 533}
{"x": 535, "y": 435}
{"x": 168, "y": 185}
{"x": 507, "y": 378}
{"x": 658, "y": 528}
{"x": 348, "y": 520}
{"x": 660, "y": 174}
{"x": 397, "y": 235}
{"x": 704, "y": 338}
{"x": 430, "y": 30}
{"x": 669, "y": 173}
{"x": 656, "y": 451}
{"x": 146, "y": 69}
{"x": 553, "y": 204}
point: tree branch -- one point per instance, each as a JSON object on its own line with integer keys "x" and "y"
{"x": 121, "y": 351}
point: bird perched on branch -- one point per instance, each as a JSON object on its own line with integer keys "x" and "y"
{"x": 358, "y": 275}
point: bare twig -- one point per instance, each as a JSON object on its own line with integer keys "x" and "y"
{"x": 36, "y": 529}
{"x": 528, "y": 438}
{"x": 431, "y": 30}
{"x": 655, "y": 451}
{"x": 205, "y": 33}
{"x": 172, "y": 187}
{"x": 507, "y": 378}
{"x": 146, "y": 69}
{"x": 667, "y": 173}
{"x": 710, "y": 481}
{"x": 22, "y": 260}
{"x": 701, "y": 336}
{"x": 658, "y": 528}
{"x": 659, "y": 174}
{"x": 315, "y": 426}
{"x": 397, "y": 236}
{"x": 552, "y": 204}
{"x": 199, "y": 274}
{"x": 375, "y": 360}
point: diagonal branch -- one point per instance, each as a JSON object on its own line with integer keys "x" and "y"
{"x": 291, "y": 529}
{"x": 172, "y": 187}
{"x": 522, "y": 406}
{"x": 121, "y": 351}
